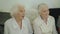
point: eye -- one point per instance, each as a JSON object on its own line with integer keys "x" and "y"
{"x": 44, "y": 11}
{"x": 21, "y": 10}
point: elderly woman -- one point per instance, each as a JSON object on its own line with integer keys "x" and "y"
{"x": 44, "y": 23}
{"x": 18, "y": 24}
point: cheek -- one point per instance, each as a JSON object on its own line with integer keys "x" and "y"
{"x": 20, "y": 14}
{"x": 43, "y": 13}
{"x": 48, "y": 12}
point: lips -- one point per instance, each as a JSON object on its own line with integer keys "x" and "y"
{"x": 23, "y": 16}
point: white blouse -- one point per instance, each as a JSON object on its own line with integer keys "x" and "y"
{"x": 42, "y": 28}
{"x": 11, "y": 27}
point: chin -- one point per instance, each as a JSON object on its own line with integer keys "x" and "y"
{"x": 22, "y": 17}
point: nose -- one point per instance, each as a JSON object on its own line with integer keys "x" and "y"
{"x": 23, "y": 13}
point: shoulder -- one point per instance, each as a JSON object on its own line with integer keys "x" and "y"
{"x": 36, "y": 19}
{"x": 26, "y": 19}
{"x": 51, "y": 17}
{"x": 9, "y": 21}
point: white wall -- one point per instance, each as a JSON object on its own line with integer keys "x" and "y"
{"x": 5, "y": 5}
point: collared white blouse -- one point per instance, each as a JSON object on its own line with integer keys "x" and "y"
{"x": 41, "y": 28}
{"x": 11, "y": 27}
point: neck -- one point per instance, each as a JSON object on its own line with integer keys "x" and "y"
{"x": 44, "y": 18}
{"x": 18, "y": 20}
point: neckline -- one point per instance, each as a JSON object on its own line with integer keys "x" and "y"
{"x": 44, "y": 21}
{"x": 18, "y": 25}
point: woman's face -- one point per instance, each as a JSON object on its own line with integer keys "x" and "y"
{"x": 44, "y": 11}
{"x": 20, "y": 13}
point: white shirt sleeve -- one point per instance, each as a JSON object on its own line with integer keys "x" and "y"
{"x": 30, "y": 27}
{"x": 36, "y": 29}
{"x": 54, "y": 28}
{"x": 6, "y": 28}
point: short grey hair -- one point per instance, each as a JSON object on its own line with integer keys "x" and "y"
{"x": 14, "y": 10}
{"x": 42, "y": 4}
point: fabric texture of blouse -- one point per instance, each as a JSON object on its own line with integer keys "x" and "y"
{"x": 40, "y": 27}
{"x": 11, "y": 27}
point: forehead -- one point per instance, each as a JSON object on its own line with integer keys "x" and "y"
{"x": 20, "y": 6}
{"x": 44, "y": 7}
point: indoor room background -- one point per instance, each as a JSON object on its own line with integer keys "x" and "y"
{"x": 31, "y": 6}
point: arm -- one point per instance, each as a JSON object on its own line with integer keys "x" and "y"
{"x": 30, "y": 27}
{"x": 6, "y": 28}
{"x": 36, "y": 29}
{"x": 54, "y": 28}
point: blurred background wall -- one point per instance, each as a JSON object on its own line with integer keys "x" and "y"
{"x": 31, "y": 5}
{"x": 5, "y": 5}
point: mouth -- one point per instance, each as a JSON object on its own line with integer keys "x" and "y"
{"x": 23, "y": 16}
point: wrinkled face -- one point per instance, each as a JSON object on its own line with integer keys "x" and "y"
{"x": 44, "y": 11}
{"x": 21, "y": 12}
